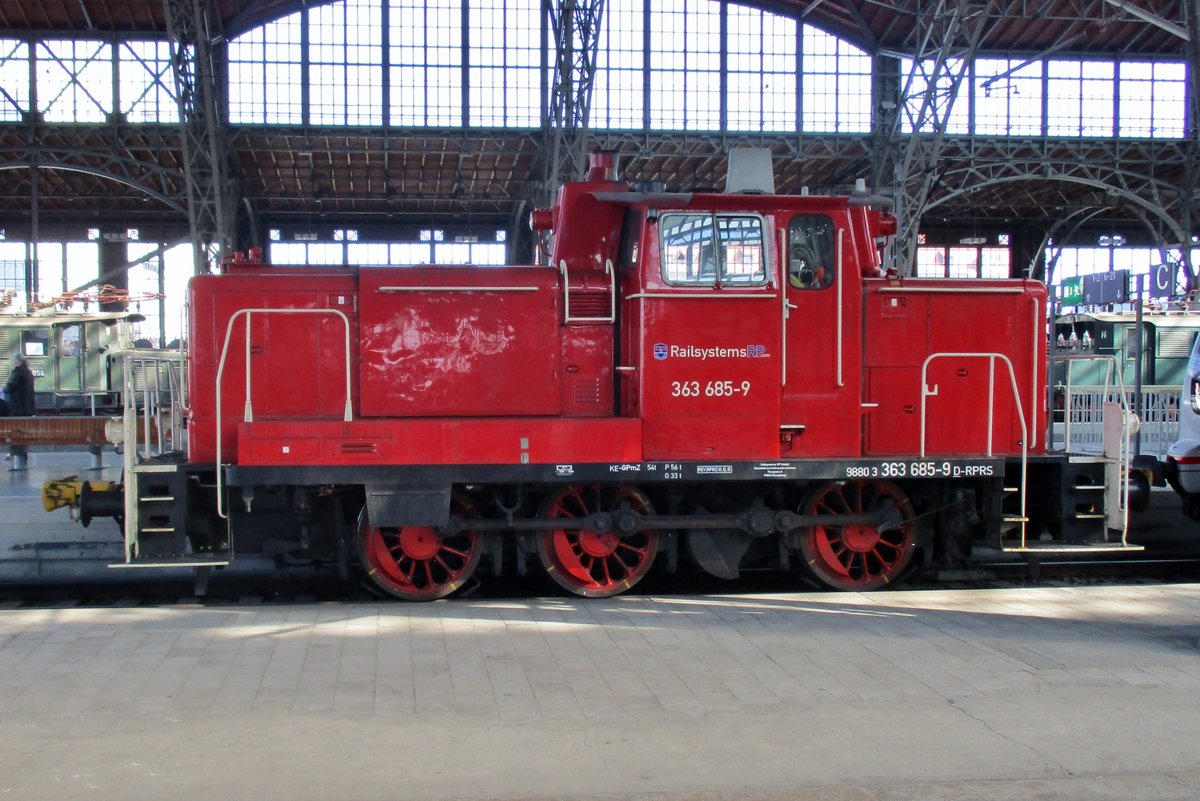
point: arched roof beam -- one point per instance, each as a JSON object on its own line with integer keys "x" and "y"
{"x": 1076, "y": 219}
{"x": 96, "y": 173}
{"x": 1144, "y": 209}
{"x": 1146, "y": 16}
{"x": 1128, "y": 195}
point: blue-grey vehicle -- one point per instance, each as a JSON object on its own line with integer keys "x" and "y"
{"x": 1182, "y": 466}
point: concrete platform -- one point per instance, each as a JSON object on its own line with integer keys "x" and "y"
{"x": 1066, "y": 693}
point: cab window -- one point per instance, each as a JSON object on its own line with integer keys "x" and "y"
{"x": 35, "y": 343}
{"x": 72, "y": 340}
{"x": 812, "y": 252}
{"x": 712, "y": 249}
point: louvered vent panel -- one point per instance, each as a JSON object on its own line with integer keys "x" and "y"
{"x": 591, "y": 304}
{"x": 1174, "y": 344}
{"x": 587, "y": 391}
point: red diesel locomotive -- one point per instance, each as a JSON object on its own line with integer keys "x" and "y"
{"x": 714, "y": 380}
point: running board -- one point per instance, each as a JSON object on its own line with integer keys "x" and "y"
{"x": 1057, "y": 547}
{"x": 172, "y": 563}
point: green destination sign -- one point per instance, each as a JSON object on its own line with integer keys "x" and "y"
{"x": 1072, "y": 291}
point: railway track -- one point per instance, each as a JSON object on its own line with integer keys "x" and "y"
{"x": 247, "y": 592}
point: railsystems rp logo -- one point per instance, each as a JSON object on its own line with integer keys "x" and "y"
{"x": 663, "y": 351}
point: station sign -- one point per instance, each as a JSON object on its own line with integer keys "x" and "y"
{"x": 1102, "y": 289}
{"x": 1072, "y": 291}
{"x": 1162, "y": 280}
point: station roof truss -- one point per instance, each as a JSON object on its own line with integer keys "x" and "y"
{"x": 131, "y": 173}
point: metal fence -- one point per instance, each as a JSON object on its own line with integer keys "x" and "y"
{"x": 1079, "y": 423}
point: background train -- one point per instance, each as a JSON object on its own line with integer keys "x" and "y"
{"x": 1167, "y": 338}
{"x": 77, "y": 358}
{"x": 1096, "y": 357}
{"x": 716, "y": 380}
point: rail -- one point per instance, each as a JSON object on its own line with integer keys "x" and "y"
{"x": 160, "y": 386}
{"x": 992, "y": 358}
{"x": 248, "y": 413}
{"x": 841, "y": 245}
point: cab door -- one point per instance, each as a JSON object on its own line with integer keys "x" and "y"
{"x": 821, "y": 410}
{"x": 706, "y": 339}
{"x": 69, "y": 364}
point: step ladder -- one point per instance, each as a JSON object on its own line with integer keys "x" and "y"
{"x": 155, "y": 522}
{"x": 1084, "y": 497}
{"x": 156, "y": 519}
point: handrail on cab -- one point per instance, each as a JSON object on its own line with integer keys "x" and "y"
{"x": 248, "y": 414}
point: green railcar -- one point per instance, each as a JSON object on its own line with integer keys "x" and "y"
{"x": 76, "y": 359}
{"x": 1167, "y": 339}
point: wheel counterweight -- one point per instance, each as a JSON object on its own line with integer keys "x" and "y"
{"x": 418, "y": 563}
{"x": 590, "y": 563}
{"x": 857, "y": 556}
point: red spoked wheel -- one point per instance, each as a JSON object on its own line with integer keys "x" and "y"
{"x": 590, "y": 563}
{"x": 418, "y": 563}
{"x": 857, "y": 556}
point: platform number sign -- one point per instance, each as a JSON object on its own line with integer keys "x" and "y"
{"x": 1102, "y": 289}
{"x": 1162, "y": 280}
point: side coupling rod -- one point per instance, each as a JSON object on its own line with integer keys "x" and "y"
{"x": 758, "y": 522}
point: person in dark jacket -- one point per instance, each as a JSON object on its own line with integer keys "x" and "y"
{"x": 19, "y": 389}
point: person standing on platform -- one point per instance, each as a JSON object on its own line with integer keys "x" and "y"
{"x": 18, "y": 393}
{"x": 19, "y": 389}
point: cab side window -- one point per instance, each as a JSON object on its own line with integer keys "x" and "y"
{"x": 72, "y": 340}
{"x": 35, "y": 343}
{"x": 812, "y": 253}
{"x": 708, "y": 249}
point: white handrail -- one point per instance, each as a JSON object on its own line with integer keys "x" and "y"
{"x": 458, "y": 289}
{"x": 348, "y": 415}
{"x": 1038, "y": 325}
{"x": 183, "y": 356}
{"x": 840, "y": 312}
{"x": 566, "y": 282}
{"x": 784, "y": 309}
{"x": 129, "y": 457}
{"x": 1124, "y": 456}
{"x": 705, "y": 296}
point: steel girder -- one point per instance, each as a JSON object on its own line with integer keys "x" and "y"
{"x": 910, "y": 161}
{"x": 576, "y": 28}
{"x": 197, "y": 91}
{"x": 1094, "y": 184}
{"x": 495, "y": 170}
{"x": 1190, "y": 203}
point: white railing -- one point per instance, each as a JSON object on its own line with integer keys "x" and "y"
{"x": 1099, "y": 421}
{"x": 1081, "y": 417}
{"x": 153, "y": 403}
{"x": 154, "y": 406}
